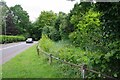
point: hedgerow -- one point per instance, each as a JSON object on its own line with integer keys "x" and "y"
{"x": 94, "y": 60}
{"x": 10, "y": 39}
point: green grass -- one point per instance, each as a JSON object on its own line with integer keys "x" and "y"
{"x": 29, "y": 65}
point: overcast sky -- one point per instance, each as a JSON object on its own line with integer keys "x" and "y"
{"x": 34, "y": 7}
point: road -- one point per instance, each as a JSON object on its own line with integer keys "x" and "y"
{"x": 8, "y": 51}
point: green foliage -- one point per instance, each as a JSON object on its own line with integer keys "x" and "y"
{"x": 3, "y": 13}
{"x": 45, "y": 46}
{"x": 21, "y": 20}
{"x": 54, "y": 35}
{"x": 36, "y": 31}
{"x": 88, "y": 30}
{"x": 45, "y": 24}
{"x": 62, "y": 25}
{"x": 97, "y": 32}
{"x": 10, "y": 39}
{"x": 56, "y": 26}
{"x": 95, "y": 36}
{"x": 66, "y": 51}
{"x": 46, "y": 18}
{"x": 110, "y": 20}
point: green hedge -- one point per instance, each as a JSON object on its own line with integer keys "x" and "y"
{"x": 10, "y": 39}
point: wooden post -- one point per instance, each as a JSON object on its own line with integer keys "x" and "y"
{"x": 50, "y": 59}
{"x": 83, "y": 69}
{"x": 37, "y": 50}
{"x": 82, "y": 72}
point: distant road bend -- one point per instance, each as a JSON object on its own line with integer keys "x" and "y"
{"x": 8, "y": 51}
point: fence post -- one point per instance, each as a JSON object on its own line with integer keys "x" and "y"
{"x": 83, "y": 69}
{"x": 50, "y": 58}
{"x": 37, "y": 50}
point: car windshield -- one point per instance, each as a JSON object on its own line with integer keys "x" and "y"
{"x": 29, "y": 39}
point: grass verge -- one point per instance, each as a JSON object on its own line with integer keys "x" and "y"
{"x": 29, "y": 65}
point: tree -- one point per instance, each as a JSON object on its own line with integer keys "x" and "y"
{"x": 97, "y": 30}
{"x": 61, "y": 24}
{"x": 111, "y": 38}
{"x": 10, "y": 26}
{"x": 36, "y": 31}
{"x": 46, "y": 18}
{"x": 110, "y": 19}
{"x": 3, "y": 13}
{"x": 46, "y": 22}
{"x": 21, "y": 20}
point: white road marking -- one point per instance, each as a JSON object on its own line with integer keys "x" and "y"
{"x": 11, "y": 46}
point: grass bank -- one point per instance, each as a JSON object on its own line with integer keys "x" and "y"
{"x": 29, "y": 65}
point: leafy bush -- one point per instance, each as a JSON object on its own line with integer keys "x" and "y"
{"x": 65, "y": 51}
{"x": 94, "y": 60}
{"x": 45, "y": 46}
{"x": 10, "y": 39}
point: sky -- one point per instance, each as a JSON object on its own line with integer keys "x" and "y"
{"x": 34, "y": 7}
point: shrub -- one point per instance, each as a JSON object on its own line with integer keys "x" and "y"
{"x": 10, "y": 39}
{"x": 94, "y": 60}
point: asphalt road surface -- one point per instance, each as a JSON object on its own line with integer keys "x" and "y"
{"x": 8, "y": 51}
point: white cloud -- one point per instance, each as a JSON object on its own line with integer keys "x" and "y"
{"x": 34, "y": 7}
